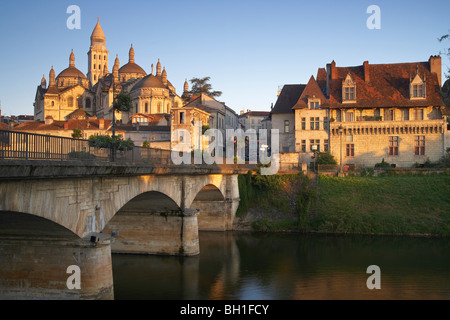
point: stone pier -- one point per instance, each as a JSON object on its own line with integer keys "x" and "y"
{"x": 162, "y": 233}
{"x": 38, "y": 269}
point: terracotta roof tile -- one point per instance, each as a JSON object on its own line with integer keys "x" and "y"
{"x": 388, "y": 86}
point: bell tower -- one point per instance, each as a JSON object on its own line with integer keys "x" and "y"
{"x": 97, "y": 55}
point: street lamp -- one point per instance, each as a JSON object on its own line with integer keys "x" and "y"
{"x": 340, "y": 133}
{"x": 314, "y": 149}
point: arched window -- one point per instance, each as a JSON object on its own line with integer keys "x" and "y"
{"x": 168, "y": 108}
{"x": 99, "y": 67}
{"x": 95, "y": 77}
{"x": 95, "y": 57}
{"x": 159, "y": 107}
{"x": 88, "y": 103}
{"x": 104, "y": 58}
{"x": 53, "y": 103}
{"x": 94, "y": 66}
{"x": 146, "y": 107}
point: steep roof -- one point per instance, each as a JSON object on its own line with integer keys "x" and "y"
{"x": 288, "y": 98}
{"x": 388, "y": 86}
{"x": 312, "y": 90}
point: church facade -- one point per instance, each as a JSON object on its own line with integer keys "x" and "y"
{"x": 94, "y": 92}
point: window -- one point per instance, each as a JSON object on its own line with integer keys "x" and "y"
{"x": 419, "y": 147}
{"x": 182, "y": 119}
{"x": 303, "y": 123}
{"x": 326, "y": 145}
{"x": 350, "y": 117}
{"x": 303, "y": 145}
{"x": 314, "y": 123}
{"x": 159, "y": 107}
{"x": 349, "y": 93}
{"x": 388, "y": 114}
{"x": 146, "y": 107}
{"x": 350, "y": 150}
{"x": 393, "y": 146}
{"x": 326, "y": 123}
{"x": 53, "y": 103}
{"x": 286, "y": 126}
{"x": 314, "y": 104}
{"x": 418, "y": 114}
{"x": 405, "y": 114}
{"x": 418, "y": 91}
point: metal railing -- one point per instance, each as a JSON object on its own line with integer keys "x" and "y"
{"x": 32, "y": 146}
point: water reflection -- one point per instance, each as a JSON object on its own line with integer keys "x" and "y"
{"x": 248, "y": 266}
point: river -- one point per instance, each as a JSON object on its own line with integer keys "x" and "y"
{"x": 259, "y": 266}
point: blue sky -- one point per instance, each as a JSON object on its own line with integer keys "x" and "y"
{"x": 249, "y": 48}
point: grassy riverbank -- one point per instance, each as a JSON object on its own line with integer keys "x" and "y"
{"x": 417, "y": 204}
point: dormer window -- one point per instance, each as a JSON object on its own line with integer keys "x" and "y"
{"x": 417, "y": 88}
{"x": 348, "y": 90}
{"x": 314, "y": 103}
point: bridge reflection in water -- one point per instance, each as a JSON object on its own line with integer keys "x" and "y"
{"x": 252, "y": 266}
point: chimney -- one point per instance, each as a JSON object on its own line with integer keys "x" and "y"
{"x": 366, "y": 71}
{"x": 334, "y": 74}
{"x": 48, "y": 120}
{"x": 436, "y": 67}
{"x": 66, "y": 125}
{"x": 101, "y": 124}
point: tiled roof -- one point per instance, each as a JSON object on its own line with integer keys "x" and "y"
{"x": 288, "y": 98}
{"x": 255, "y": 114}
{"x": 312, "y": 90}
{"x": 388, "y": 86}
{"x": 91, "y": 124}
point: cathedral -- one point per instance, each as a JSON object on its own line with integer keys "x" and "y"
{"x": 73, "y": 94}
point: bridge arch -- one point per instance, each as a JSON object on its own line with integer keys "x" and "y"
{"x": 25, "y": 226}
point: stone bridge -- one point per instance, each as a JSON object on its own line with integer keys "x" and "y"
{"x": 54, "y": 215}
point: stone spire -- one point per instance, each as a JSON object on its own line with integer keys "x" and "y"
{"x": 72, "y": 60}
{"x": 164, "y": 77}
{"x": 131, "y": 54}
{"x": 43, "y": 82}
{"x": 116, "y": 68}
{"x": 186, "y": 86}
{"x": 52, "y": 78}
{"x": 98, "y": 36}
{"x": 158, "y": 68}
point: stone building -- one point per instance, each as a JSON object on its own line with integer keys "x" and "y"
{"x": 283, "y": 116}
{"x": 252, "y": 119}
{"x": 371, "y": 112}
{"x": 95, "y": 91}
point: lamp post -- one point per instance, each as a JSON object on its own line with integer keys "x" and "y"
{"x": 340, "y": 134}
{"x": 314, "y": 149}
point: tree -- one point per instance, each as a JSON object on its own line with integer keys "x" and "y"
{"x": 445, "y": 91}
{"x": 201, "y": 85}
{"x": 123, "y": 102}
{"x": 77, "y": 133}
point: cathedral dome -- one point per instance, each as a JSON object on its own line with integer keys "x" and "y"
{"x": 131, "y": 68}
{"x": 149, "y": 81}
{"x": 71, "y": 75}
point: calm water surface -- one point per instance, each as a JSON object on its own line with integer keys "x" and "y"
{"x": 252, "y": 266}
